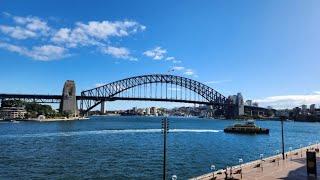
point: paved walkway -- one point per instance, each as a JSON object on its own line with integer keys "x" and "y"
{"x": 292, "y": 168}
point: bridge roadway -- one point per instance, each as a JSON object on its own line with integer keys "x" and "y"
{"x": 41, "y": 98}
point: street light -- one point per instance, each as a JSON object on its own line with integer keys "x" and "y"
{"x": 174, "y": 177}
{"x": 240, "y": 163}
{"x": 282, "y": 118}
{"x": 213, "y": 168}
{"x": 165, "y": 130}
{"x": 261, "y": 157}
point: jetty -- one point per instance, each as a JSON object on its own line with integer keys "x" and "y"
{"x": 274, "y": 167}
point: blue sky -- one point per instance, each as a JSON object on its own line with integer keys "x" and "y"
{"x": 268, "y": 50}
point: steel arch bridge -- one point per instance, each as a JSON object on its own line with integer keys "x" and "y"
{"x": 154, "y": 87}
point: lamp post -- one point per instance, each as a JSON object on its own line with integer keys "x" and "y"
{"x": 282, "y": 118}
{"x": 261, "y": 158}
{"x": 165, "y": 130}
{"x": 213, "y": 168}
{"x": 240, "y": 164}
{"x": 174, "y": 177}
{"x": 290, "y": 152}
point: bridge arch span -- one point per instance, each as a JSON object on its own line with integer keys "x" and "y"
{"x": 109, "y": 91}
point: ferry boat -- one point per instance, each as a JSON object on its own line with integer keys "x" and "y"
{"x": 248, "y": 127}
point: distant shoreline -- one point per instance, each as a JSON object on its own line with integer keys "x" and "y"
{"x": 54, "y": 119}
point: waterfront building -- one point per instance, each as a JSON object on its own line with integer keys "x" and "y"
{"x": 148, "y": 111}
{"x": 154, "y": 111}
{"x": 12, "y": 113}
{"x": 134, "y": 109}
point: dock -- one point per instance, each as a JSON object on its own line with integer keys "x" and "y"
{"x": 274, "y": 167}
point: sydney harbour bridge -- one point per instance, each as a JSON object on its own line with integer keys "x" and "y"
{"x": 154, "y": 87}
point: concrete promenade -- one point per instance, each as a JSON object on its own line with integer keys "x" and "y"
{"x": 293, "y": 167}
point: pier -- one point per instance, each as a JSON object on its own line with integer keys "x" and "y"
{"x": 274, "y": 167}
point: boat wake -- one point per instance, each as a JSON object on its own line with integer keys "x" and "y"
{"x": 110, "y": 131}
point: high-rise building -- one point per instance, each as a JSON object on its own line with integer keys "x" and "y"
{"x": 304, "y": 107}
{"x": 233, "y": 99}
{"x": 240, "y": 104}
{"x": 312, "y": 108}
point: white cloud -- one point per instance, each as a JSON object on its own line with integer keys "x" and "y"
{"x": 73, "y": 38}
{"x": 27, "y": 27}
{"x": 289, "y": 101}
{"x": 157, "y": 53}
{"x": 43, "y": 53}
{"x": 32, "y": 23}
{"x": 173, "y": 60}
{"x": 62, "y": 39}
{"x": 118, "y": 52}
{"x": 170, "y": 58}
{"x": 17, "y": 32}
{"x": 99, "y": 84}
{"x": 189, "y": 72}
{"x": 176, "y": 61}
{"x": 217, "y": 82}
{"x": 6, "y": 14}
{"x": 105, "y": 29}
{"x": 178, "y": 68}
{"x": 95, "y": 32}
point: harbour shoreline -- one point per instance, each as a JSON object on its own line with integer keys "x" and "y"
{"x": 56, "y": 119}
{"x": 250, "y": 167}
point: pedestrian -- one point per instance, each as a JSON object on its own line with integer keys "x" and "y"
{"x": 226, "y": 173}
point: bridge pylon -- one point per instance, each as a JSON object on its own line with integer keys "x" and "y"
{"x": 69, "y": 100}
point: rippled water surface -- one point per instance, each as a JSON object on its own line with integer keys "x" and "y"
{"x": 131, "y": 147}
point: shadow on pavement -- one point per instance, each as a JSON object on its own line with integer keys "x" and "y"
{"x": 301, "y": 173}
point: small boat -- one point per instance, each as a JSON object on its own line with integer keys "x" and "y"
{"x": 248, "y": 127}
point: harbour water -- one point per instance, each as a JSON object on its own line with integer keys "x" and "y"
{"x": 131, "y": 147}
